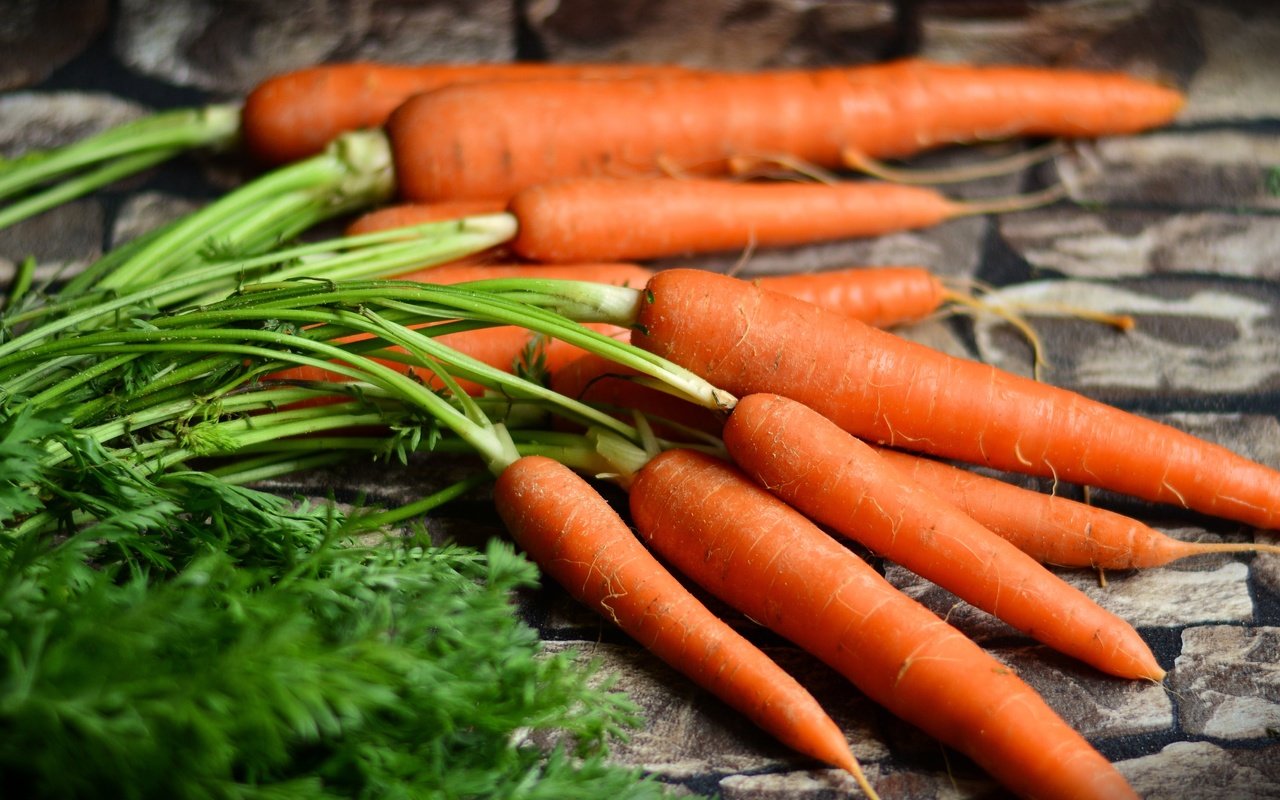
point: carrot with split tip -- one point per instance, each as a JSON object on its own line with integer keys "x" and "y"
{"x": 492, "y": 139}
{"x": 841, "y": 482}
{"x": 750, "y": 549}
{"x": 293, "y": 115}
{"x": 1053, "y": 529}
{"x": 602, "y": 219}
{"x": 883, "y": 388}
{"x": 576, "y": 537}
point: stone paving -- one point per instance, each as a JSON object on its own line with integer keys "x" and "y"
{"x": 1177, "y": 228}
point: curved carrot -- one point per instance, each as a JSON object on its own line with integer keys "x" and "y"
{"x": 1053, "y": 529}
{"x": 842, "y": 483}
{"x": 756, "y": 553}
{"x": 602, "y": 219}
{"x": 576, "y": 537}
{"x": 489, "y": 140}
{"x": 886, "y": 389}
{"x": 294, "y": 115}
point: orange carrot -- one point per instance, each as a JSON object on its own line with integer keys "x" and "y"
{"x": 838, "y": 481}
{"x": 576, "y": 537}
{"x": 603, "y": 219}
{"x": 879, "y": 296}
{"x": 398, "y": 216}
{"x": 886, "y": 389}
{"x": 613, "y": 273}
{"x": 595, "y": 379}
{"x": 764, "y": 558}
{"x": 492, "y": 139}
{"x": 296, "y": 114}
{"x": 1053, "y": 529}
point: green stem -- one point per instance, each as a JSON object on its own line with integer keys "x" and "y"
{"x": 80, "y": 185}
{"x": 215, "y": 126}
{"x": 354, "y": 171}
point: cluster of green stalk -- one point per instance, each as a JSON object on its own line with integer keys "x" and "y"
{"x": 136, "y": 405}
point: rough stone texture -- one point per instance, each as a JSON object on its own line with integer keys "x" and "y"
{"x": 1228, "y": 682}
{"x": 229, "y": 46}
{"x": 1176, "y": 228}
{"x": 733, "y": 34}
{"x": 38, "y": 36}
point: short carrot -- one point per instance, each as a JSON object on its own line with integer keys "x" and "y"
{"x": 743, "y": 545}
{"x": 886, "y": 389}
{"x": 612, "y": 273}
{"x": 842, "y": 483}
{"x": 577, "y": 538}
{"x": 492, "y": 139}
{"x": 1054, "y": 529}
{"x": 603, "y": 219}
{"x": 296, "y": 114}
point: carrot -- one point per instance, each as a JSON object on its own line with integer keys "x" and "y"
{"x": 764, "y": 558}
{"x": 1054, "y": 529}
{"x": 595, "y": 379}
{"x": 490, "y": 140}
{"x": 886, "y": 389}
{"x": 879, "y": 296}
{"x": 603, "y": 219}
{"x": 838, "y": 481}
{"x": 613, "y": 273}
{"x": 576, "y": 537}
{"x": 399, "y": 216}
{"x": 296, "y": 114}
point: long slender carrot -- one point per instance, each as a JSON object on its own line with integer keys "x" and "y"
{"x": 1054, "y": 529}
{"x": 839, "y": 481}
{"x": 603, "y": 219}
{"x": 296, "y": 114}
{"x": 756, "y": 553}
{"x": 489, "y": 140}
{"x": 578, "y": 539}
{"x": 879, "y": 296}
{"x": 886, "y": 389}
{"x": 403, "y": 214}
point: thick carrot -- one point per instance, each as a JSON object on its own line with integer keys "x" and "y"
{"x": 842, "y": 483}
{"x": 577, "y": 538}
{"x": 1054, "y": 529}
{"x": 296, "y": 114}
{"x": 886, "y": 389}
{"x": 604, "y": 219}
{"x": 756, "y": 553}
{"x": 489, "y": 140}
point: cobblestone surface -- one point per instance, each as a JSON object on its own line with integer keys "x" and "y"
{"x": 1177, "y": 228}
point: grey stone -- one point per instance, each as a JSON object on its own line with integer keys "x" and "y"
{"x": 39, "y": 36}
{"x": 729, "y": 34}
{"x": 1131, "y": 35}
{"x": 1241, "y": 70}
{"x": 1211, "y": 170}
{"x": 230, "y": 46}
{"x": 1190, "y": 337}
{"x": 1145, "y": 598}
{"x": 1227, "y": 681}
{"x": 1205, "y": 770}
{"x": 1117, "y": 243}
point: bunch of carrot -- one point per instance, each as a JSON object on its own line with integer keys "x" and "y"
{"x": 606, "y": 164}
